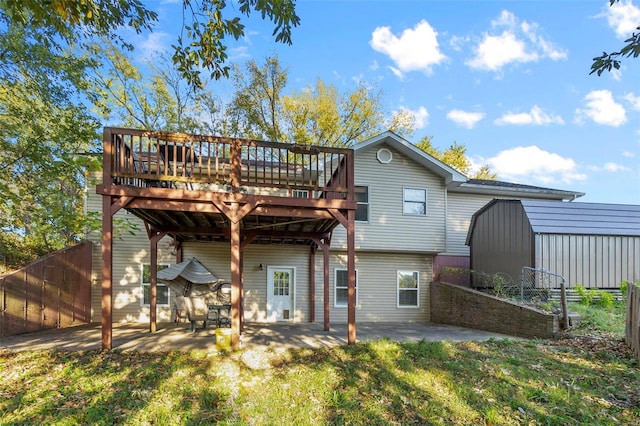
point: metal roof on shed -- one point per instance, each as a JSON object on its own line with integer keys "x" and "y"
{"x": 555, "y": 217}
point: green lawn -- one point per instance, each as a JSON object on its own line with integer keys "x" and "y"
{"x": 583, "y": 380}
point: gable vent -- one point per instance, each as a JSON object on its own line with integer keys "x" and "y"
{"x": 384, "y": 156}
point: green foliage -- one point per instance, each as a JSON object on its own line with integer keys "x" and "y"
{"x": 46, "y": 139}
{"x": 606, "y": 299}
{"x": 456, "y": 157}
{"x": 598, "y": 320}
{"x": 586, "y": 295}
{"x": 206, "y": 25}
{"x": 609, "y": 61}
{"x": 623, "y": 288}
{"x": 204, "y": 45}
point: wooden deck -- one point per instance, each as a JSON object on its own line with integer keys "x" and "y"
{"x": 206, "y": 188}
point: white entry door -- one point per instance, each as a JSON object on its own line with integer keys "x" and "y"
{"x": 281, "y": 283}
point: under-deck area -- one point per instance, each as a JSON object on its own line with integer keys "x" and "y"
{"x": 206, "y": 188}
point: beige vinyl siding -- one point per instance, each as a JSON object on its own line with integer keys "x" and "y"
{"x": 388, "y": 228}
{"x": 594, "y": 261}
{"x": 460, "y": 208}
{"x": 377, "y": 287}
{"x": 130, "y": 252}
{"x": 216, "y": 257}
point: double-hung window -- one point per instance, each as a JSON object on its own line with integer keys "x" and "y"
{"x": 340, "y": 286}
{"x": 162, "y": 289}
{"x": 408, "y": 285}
{"x": 362, "y": 198}
{"x": 414, "y": 201}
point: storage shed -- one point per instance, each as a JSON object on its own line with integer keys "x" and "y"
{"x": 595, "y": 245}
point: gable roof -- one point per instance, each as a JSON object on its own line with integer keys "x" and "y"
{"x": 510, "y": 189}
{"x": 458, "y": 182}
{"x": 554, "y": 217}
{"x": 557, "y": 217}
{"x": 451, "y": 176}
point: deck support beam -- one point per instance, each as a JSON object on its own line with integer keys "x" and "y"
{"x": 107, "y": 274}
{"x": 236, "y": 283}
{"x": 312, "y": 284}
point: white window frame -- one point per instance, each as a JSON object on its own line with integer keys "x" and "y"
{"x": 335, "y": 288}
{"x": 398, "y": 289}
{"x": 367, "y": 203}
{"x": 404, "y": 201}
{"x": 300, "y": 193}
{"x": 158, "y": 285}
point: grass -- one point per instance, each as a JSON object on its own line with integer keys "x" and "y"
{"x": 570, "y": 381}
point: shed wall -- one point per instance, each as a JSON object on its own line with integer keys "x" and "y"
{"x": 594, "y": 261}
{"x": 502, "y": 240}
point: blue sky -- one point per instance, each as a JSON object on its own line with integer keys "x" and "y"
{"x": 507, "y": 79}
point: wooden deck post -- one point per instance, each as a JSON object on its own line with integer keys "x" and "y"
{"x": 312, "y": 284}
{"x": 235, "y": 283}
{"x": 351, "y": 271}
{"x": 325, "y": 275}
{"x": 107, "y": 273}
{"x": 153, "y": 286}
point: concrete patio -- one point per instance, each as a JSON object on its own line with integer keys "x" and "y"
{"x": 171, "y": 336}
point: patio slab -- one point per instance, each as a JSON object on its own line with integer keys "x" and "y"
{"x": 282, "y": 336}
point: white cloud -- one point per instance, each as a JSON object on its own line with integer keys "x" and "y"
{"x": 416, "y": 49}
{"x": 512, "y": 41}
{"x": 628, "y": 154}
{"x": 420, "y": 116}
{"x": 610, "y": 167}
{"x": 530, "y": 164}
{"x": 153, "y": 44}
{"x": 456, "y": 42}
{"x": 602, "y": 109}
{"x": 535, "y": 116}
{"x": 613, "y": 167}
{"x": 623, "y": 17}
{"x": 465, "y": 118}
{"x": 633, "y": 100}
{"x": 239, "y": 53}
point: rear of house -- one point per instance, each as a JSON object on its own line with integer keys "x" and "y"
{"x": 412, "y": 212}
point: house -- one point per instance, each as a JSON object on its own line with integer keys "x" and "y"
{"x": 595, "y": 245}
{"x": 302, "y": 233}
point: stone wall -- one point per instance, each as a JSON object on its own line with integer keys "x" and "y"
{"x": 464, "y": 307}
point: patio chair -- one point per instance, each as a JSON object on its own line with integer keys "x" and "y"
{"x": 128, "y": 161}
{"x": 177, "y": 158}
{"x": 180, "y": 309}
{"x": 195, "y": 309}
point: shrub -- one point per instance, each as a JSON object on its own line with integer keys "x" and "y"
{"x": 586, "y": 296}
{"x": 623, "y": 288}
{"x": 606, "y": 299}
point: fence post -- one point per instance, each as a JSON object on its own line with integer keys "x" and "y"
{"x": 563, "y": 301}
{"x": 633, "y": 319}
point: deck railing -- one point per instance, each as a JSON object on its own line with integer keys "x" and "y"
{"x": 158, "y": 159}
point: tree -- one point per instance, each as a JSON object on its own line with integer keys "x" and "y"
{"x": 159, "y": 100}
{"x": 456, "y": 157}
{"x": 256, "y": 108}
{"x": 609, "y": 61}
{"x": 318, "y": 115}
{"x": 201, "y": 44}
{"x": 44, "y": 130}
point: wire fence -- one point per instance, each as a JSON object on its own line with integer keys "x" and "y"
{"x": 534, "y": 287}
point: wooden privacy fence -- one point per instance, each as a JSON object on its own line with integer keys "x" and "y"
{"x": 52, "y": 292}
{"x": 633, "y": 318}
